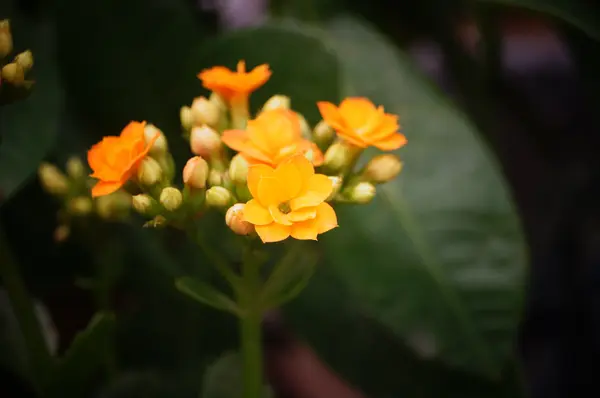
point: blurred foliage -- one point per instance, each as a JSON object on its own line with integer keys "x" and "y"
{"x": 417, "y": 295}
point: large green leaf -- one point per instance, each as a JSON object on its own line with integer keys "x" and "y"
{"x": 303, "y": 68}
{"x": 580, "y": 14}
{"x": 439, "y": 256}
{"x": 28, "y": 127}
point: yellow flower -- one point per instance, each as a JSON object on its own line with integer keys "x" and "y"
{"x": 289, "y": 201}
{"x": 114, "y": 160}
{"x": 272, "y": 137}
{"x": 360, "y": 123}
{"x": 233, "y": 85}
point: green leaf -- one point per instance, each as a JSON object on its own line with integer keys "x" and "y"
{"x": 85, "y": 357}
{"x": 223, "y": 379}
{"x": 580, "y": 14}
{"x": 121, "y": 59}
{"x": 206, "y": 294}
{"x": 303, "y": 67}
{"x": 439, "y": 253}
{"x": 29, "y": 126}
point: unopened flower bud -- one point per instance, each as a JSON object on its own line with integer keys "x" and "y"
{"x": 149, "y": 172}
{"x": 336, "y": 185}
{"x": 337, "y": 157}
{"x": 195, "y": 172}
{"x": 13, "y": 73}
{"x": 171, "y": 198}
{"x": 80, "y": 205}
{"x": 160, "y": 146}
{"x": 205, "y": 112}
{"x": 215, "y": 177}
{"x": 323, "y": 134}
{"x": 6, "y": 41}
{"x": 238, "y": 169}
{"x": 75, "y": 168}
{"x": 204, "y": 141}
{"x": 114, "y": 206}
{"x": 362, "y": 193}
{"x": 186, "y": 118}
{"x": 61, "y": 233}
{"x": 24, "y": 60}
{"x": 218, "y": 197}
{"x": 277, "y": 102}
{"x": 304, "y": 126}
{"x": 143, "y": 204}
{"x": 52, "y": 179}
{"x": 218, "y": 101}
{"x": 382, "y": 168}
{"x": 234, "y": 220}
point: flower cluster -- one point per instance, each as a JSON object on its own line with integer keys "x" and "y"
{"x": 14, "y": 71}
{"x": 271, "y": 174}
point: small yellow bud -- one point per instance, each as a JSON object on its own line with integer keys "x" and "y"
{"x": 160, "y": 146}
{"x": 382, "y": 168}
{"x": 13, "y": 73}
{"x": 149, "y": 172}
{"x": 186, "y": 118}
{"x": 195, "y": 172}
{"x": 80, "y": 206}
{"x": 336, "y": 184}
{"x": 218, "y": 197}
{"x": 61, "y": 233}
{"x": 75, "y": 168}
{"x": 218, "y": 101}
{"x": 171, "y": 198}
{"x": 204, "y": 141}
{"x": 323, "y": 134}
{"x": 114, "y": 206}
{"x": 338, "y": 156}
{"x": 238, "y": 169}
{"x": 24, "y": 60}
{"x": 205, "y": 112}
{"x": 53, "y": 180}
{"x": 234, "y": 220}
{"x": 215, "y": 177}
{"x": 6, "y": 41}
{"x": 277, "y": 102}
{"x": 362, "y": 193}
{"x": 143, "y": 204}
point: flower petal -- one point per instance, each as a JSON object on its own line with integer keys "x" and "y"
{"x": 306, "y": 230}
{"x": 326, "y": 218}
{"x": 105, "y": 188}
{"x": 388, "y": 125}
{"x": 290, "y": 180}
{"x": 307, "y": 213}
{"x": 255, "y": 214}
{"x": 278, "y": 216}
{"x": 319, "y": 187}
{"x": 357, "y": 112}
{"x": 273, "y": 232}
{"x": 351, "y": 137}
{"x": 238, "y": 141}
{"x": 390, "y": 143}
{"x": 331, "y": 115}
{"x": 255, "y": 173}
{"x": 270, "y": 191}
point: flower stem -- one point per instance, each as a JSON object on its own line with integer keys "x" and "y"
{"x": 239, "y": 112}
{"x": 39, "y": 358}
{"x": 250, "y": 325}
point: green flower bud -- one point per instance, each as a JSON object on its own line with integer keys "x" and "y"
{"x": 171, "y": 198}
{"x": 75, "y": 168}
{"x": 323, "y": 134}
{"x": 205, "y": 112}
{"x": 215, "y": 177}
{"x": 6, "y": 41}
{"x": 24, "y": 60}
{"x": 336, "y": 184}
{"x": 338, "y": 156}
{"x": 277, "y": 102}
{"x": 53, "y": 180}
{"x": 186, "y": 117}
{"x": 13, "y": 73}
{"x": 143, "y": 204}
{"x": 238, "y": 169}
{"x": 362, "y": 193}
{"x": 195, "y": 173}
{"x": 114, "y": 206}
{"x": 80, "y": 206}
{"x": 218, "y": 197}
{"x": 234, "y": 220}
{"x": 160, "y": 146}
{"x": 205, "y": 141}
{"x": 382, "y": 168}
{"x": 304, "y": 126}
{"x": 149, "y": 172}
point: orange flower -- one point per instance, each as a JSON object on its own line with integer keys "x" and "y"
{"x": 234, "y": 84}
{"x": 361, "y": 124}
{"x": 289, "y": 201}
{"x": 114, "y": 159}
{"x": 272, "y": 137}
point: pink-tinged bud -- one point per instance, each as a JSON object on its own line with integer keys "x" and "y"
{"x": 234, "y": 220}
{"x": 204, "y": 141}
{"x": 195, "y": 172}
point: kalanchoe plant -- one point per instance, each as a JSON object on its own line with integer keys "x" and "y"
{"x": 271, "y": 177}
{"x": 13, "y": 85}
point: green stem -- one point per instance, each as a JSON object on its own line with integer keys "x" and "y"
{"x": 250, "y": 324}
{"x": 39, "y": 358}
